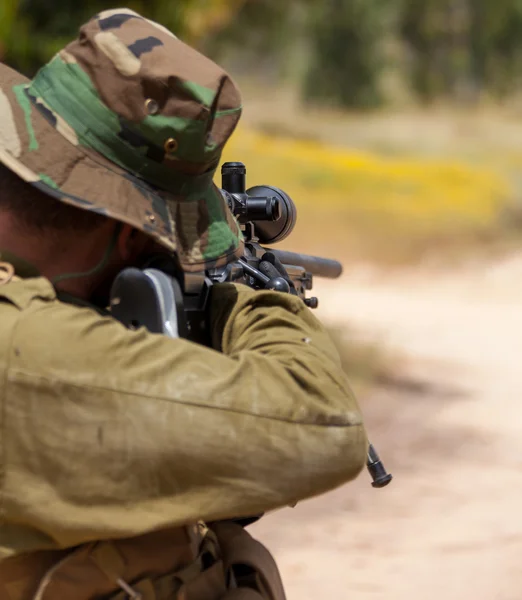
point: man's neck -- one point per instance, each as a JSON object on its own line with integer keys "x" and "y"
{"x": 50, "y": 256}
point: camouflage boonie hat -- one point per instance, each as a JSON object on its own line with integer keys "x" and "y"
{"x": 129, "y": 122}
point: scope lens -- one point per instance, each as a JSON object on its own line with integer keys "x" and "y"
{"x": 276, "y": 230}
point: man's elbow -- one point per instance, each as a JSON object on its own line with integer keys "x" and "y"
{"x": 356, "y": 452}
{"x": 324, "y": 458}
{"x": 343, "y": 457}
{"x": 339, "y": 437}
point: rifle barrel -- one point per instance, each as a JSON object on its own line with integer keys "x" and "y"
{"x": 316, "y": 265}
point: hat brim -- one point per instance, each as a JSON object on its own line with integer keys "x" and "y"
{"x": 43, "y": 150}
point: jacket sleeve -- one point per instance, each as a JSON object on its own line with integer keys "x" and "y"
{"x": 110, "y": 433}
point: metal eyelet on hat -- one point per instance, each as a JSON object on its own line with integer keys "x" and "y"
{"x": 151, "y": 106}
{"x": 170, "y": 145}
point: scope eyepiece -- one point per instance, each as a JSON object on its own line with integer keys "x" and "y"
{"x": 261, "y": 209}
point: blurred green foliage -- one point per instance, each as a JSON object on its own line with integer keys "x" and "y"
{"x": 338, "y": 51}
{"x": 346, "y": 58}
{"x": 462, "y": 48}
{"x": 31, "y": 31}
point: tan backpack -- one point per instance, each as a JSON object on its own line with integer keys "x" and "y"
{"x": 188, "y": 563}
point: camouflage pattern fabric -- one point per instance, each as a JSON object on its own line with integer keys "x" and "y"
{"x": 130, "y": 122}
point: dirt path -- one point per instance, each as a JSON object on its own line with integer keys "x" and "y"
{"x": 450, "y": 430}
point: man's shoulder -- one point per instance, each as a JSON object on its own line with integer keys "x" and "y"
{"x": 44, "y": 338}
{"x": 37, "y": 294}
{"x": 21, "y": 293}
{"x": 32, "y": 312}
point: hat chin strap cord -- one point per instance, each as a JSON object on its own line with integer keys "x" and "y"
{"x": 97, "y": 268}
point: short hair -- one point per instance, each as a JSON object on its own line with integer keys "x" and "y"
{"x": 37, "y": 211}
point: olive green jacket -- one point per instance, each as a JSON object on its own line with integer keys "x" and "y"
{"x": 107, "y": 432}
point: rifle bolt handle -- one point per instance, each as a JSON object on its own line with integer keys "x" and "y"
{"x": 380, "y": 477}
{"x": 312, "y": 302}
{"x": 278, "y": 284}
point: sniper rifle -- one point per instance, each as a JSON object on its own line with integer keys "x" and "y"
{"x": 164, "y": 299}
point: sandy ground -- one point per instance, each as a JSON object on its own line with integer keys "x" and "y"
{"x": 449, "y": 427}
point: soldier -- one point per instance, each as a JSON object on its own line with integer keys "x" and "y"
{"x": 117, "y": 446}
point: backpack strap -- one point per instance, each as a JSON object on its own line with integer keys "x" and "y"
{"x": 248, "y": 563}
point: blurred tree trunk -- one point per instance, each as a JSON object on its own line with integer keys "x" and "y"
{"x": 347, "y": 59}
{"x": 423, "y": 26}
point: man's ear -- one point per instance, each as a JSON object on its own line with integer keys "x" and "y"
{"x": 131, "y": 242}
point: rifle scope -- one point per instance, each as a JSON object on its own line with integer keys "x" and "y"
{"x": 271, "y": 211}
